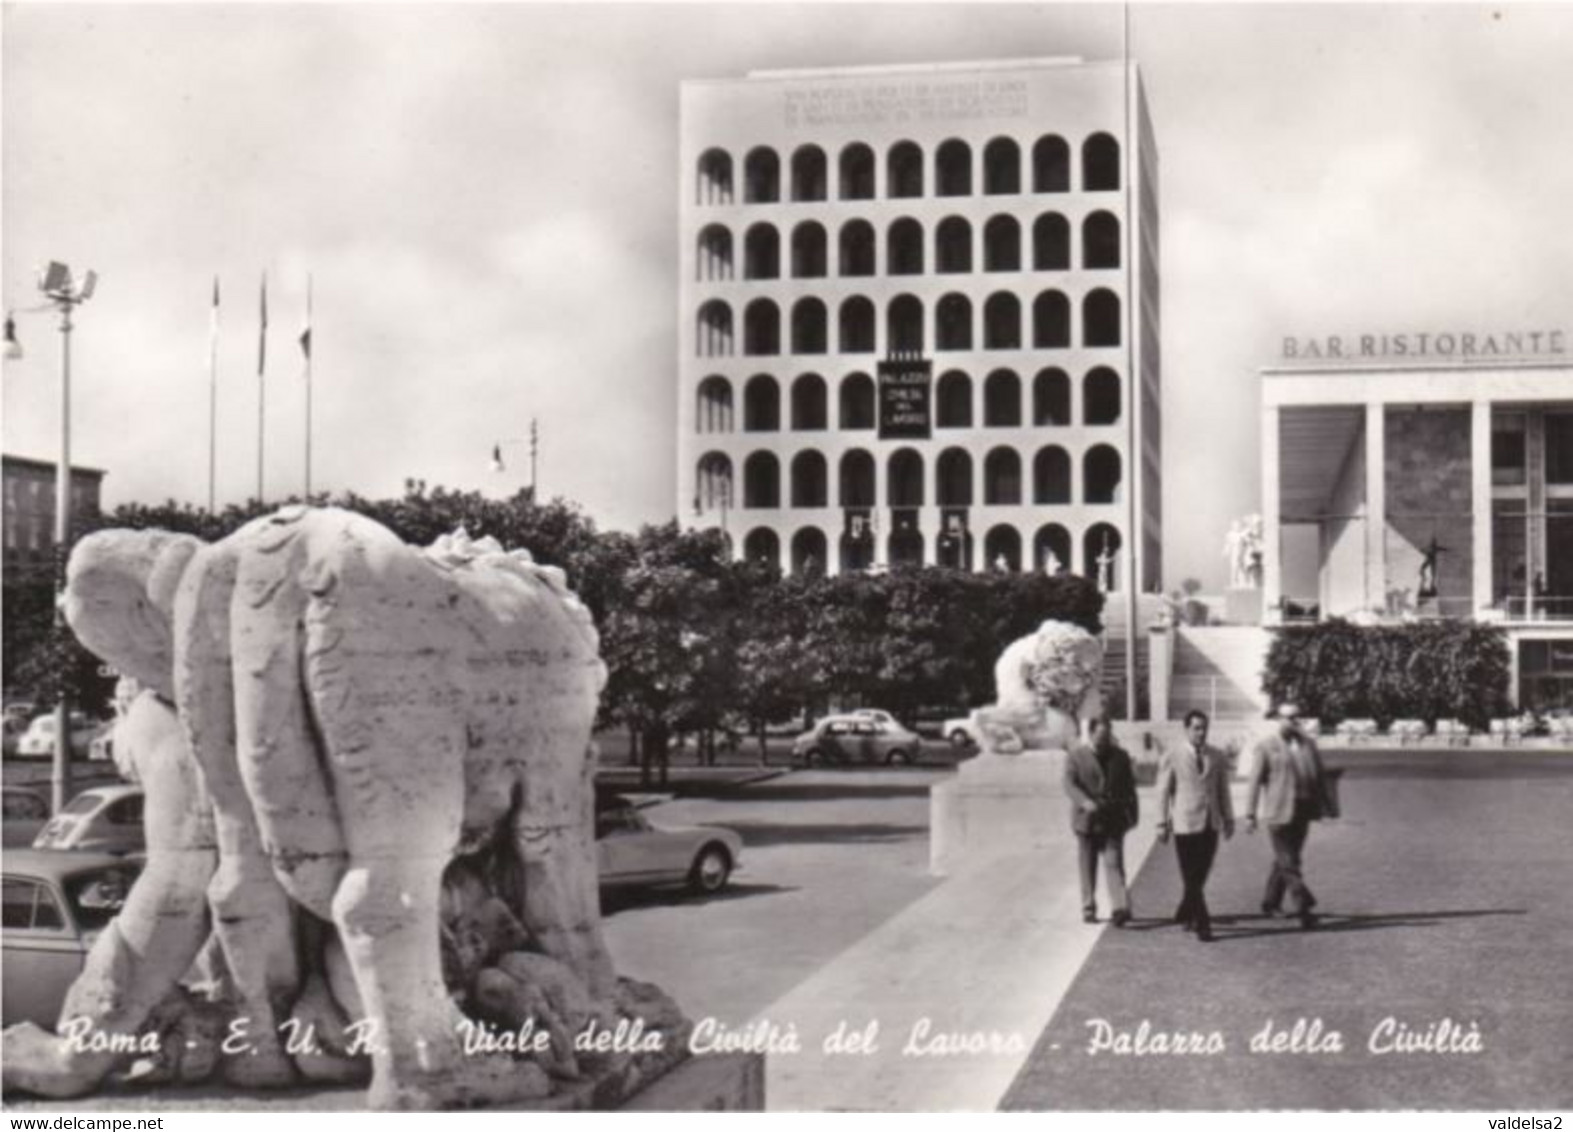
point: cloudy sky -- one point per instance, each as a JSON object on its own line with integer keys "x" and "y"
{"x": 485, "y": 197}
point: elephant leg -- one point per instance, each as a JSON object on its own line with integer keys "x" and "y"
{"x": 252, "y": 914}
{"x": 133, "y": 964}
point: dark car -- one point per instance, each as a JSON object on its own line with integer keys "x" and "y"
{"x": 855, "y": 739}
{"x": 26, "y": 812}
{"x": 54, "y": 905}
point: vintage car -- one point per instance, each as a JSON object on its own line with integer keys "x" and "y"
{"x": 54, "y": 905}
{"x": 38, "y": 741}
{"x": 26, "y": 812}
{"x": 857, "y": 738}
{"x": 104, "y": 818}
{"x": 629, "y": 850}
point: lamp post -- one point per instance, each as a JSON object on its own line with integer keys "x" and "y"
{"x": 63, "y": 293}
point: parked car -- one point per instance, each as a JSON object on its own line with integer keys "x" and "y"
{"x": 849, "y": 739}
{"x": 878, "y": 715}
{"x": 15, "y": 727}
{"x": 962, "y": 733}
{"x": 629, "y": 850}
{"x": 107, "y": 819}
{"x": 38, "y": 741}
{"x": 26, "y": 811}
{"x": 54, "y": 905}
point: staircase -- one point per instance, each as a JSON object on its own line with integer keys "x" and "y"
{"x": 1113, "y": 684}
{"x": 1218, "y": 669}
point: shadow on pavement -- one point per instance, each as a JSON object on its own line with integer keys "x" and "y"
{"x": 1224, "y": 927}
{"x": 619, "y": 900}
{"x": 757, "y": 834}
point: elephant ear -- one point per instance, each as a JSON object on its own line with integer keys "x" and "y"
{"x": 120, "y": 600}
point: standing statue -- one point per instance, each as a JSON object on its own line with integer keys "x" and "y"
{"x": 1105, "y": 561}
{"x": 1233, "y": 543}
{"x": 370, "y": 780}
{"x": 1428, "y": 568}
{"x": 1052, "y": 564}
{"x": 1242, "y": 548}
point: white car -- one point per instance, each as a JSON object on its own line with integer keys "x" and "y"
{"x": 38, "y": 741}
{"x": 962, "y": 733}
{"x": 631, "y": 851}
{"x": 103, "y": 818}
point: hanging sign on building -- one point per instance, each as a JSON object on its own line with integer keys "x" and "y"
{"x": 905, "y": 398}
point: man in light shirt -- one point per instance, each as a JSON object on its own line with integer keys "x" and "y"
{"x": 1194, "y": 805}
{"x": 1290, "y": 786}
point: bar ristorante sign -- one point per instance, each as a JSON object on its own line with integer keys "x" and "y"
{"x": 1515, "y": 345}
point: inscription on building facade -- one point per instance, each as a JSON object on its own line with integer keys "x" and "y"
{"x": 906, "y": 100}
{"x": 1522, "y": 344}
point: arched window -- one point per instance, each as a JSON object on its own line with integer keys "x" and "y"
{"x": 904, "y": 170}
{"x": 1100, "y": 240}
{"x": 904, "y": 248}
{"x": 857, "y": 401}
{"x": 953, "y": 245}
{"x": 1052, "y": 549}
{"x": 1001, "y": 167}
{"x": 810, "y": 333}
{"x": 713, "y": 483}
{"x": 953, "y": 169}
{"x": 904, "y": 325}
{"x": 955, "y": 478}
{"x": 763, "y": 546}
{"x": 1100, "y": 475}
{"x": 714, "y": 410}
{"x": 1051, "y": 397}
{"x": 1100, "y": 397}
{"x": 1101, "y": 556}
{"x": 808, "y": 250}
{"x": 761, "y": 176}
{"x": 1002, "y": 400}
{"x": 1100, "y": 164}
{"x": 714, "y": 254}
{"x": 857, "y": 172}
{"x": 1002, "y": 477}
{"x": 953, "y": 407}
{"x": 1051, "y": 243}
{"x": 953, "y": 323}
{"x": 857, "y": 248}
{"x": 809, "y": 552}
{"x": 1051, "y": 165}
{"x": 808, "y": 173}
{"x": 1100, "y": 318}
{"x": 1051, "y": 321}
{"x": 715, "y": 177}
{"x": 904, "y": 485}
{"x": 1002, "y": 549}
{"x": 857, "y": 479}
{"x": 762, "y": 481}
{"x": 761, "y": 328}
{"x": 808, "y": 403}
{"x": 1051, "y": 475}
{"x": 856, "y": 325}
{"x": 1002, "y": 244}
{"x": 761, "y": 252}
{"x": 713, "y": 330}
{"x": 761, "y": 404}
{"x": 1002, "y": 322}
{"x": 809, "y": 480}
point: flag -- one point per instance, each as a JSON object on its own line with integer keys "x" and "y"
{"x": 262, "y": 333}
{"x": 305, "y": 335}
{"x": 215, "y": 304}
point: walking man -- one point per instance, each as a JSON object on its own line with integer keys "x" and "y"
{"x": 1101, "y": 785}
{"x": 1194, "y": 805}
{"x": 1290, "y": 785}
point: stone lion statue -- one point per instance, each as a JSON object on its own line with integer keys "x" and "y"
{"x": 364, "y": 763}
{"x": 1045, "y": 685}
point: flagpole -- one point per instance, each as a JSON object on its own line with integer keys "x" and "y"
{"x": 262, "y": 388}
{"x": 1134, "y": 378}
{"x": 305, "y": 343}
{"x": 213, "y": 404}
{"x": 534, "y": 450}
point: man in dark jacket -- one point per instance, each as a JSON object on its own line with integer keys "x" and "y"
{"x": 1101, "y": 785}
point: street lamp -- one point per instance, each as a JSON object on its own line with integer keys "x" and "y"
{"x": 63, "y": 292}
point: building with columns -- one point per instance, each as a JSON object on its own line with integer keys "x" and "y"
{"x": 918, "y": 317}
{"x": 1426, "y": 475}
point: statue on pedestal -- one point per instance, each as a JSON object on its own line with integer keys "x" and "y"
{"x": 1242, "y": 548}
{"x": 1428, "y": 569}
{"x": 370, "y": 804}
{"x": 1045, "y": 685}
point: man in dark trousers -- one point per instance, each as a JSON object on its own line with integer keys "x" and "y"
{"x": 1101, "y": 785}
{"x": 1291, "y": 787}
{"x": 1194, "y": 805}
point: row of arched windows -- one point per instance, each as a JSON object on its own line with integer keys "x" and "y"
{"x": 953, "y": 401}
{"x": 807, "y": 171}
{"x": 906, "y": 247}
{"x": 808, "y": 326}
{"x": 1002, "y": 549}
{"x": 905, "y": 479}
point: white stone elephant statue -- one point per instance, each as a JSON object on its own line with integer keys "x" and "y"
{"x": 334, "y": 717}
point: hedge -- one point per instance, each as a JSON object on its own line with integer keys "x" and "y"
{"x": 1444, "y": 669}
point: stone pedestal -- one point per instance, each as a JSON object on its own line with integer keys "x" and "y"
{"x": 1242, "y": 605}
{"x": 998, "y": 805}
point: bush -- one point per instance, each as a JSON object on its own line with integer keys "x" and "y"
{"x": 1430, "y": 670}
